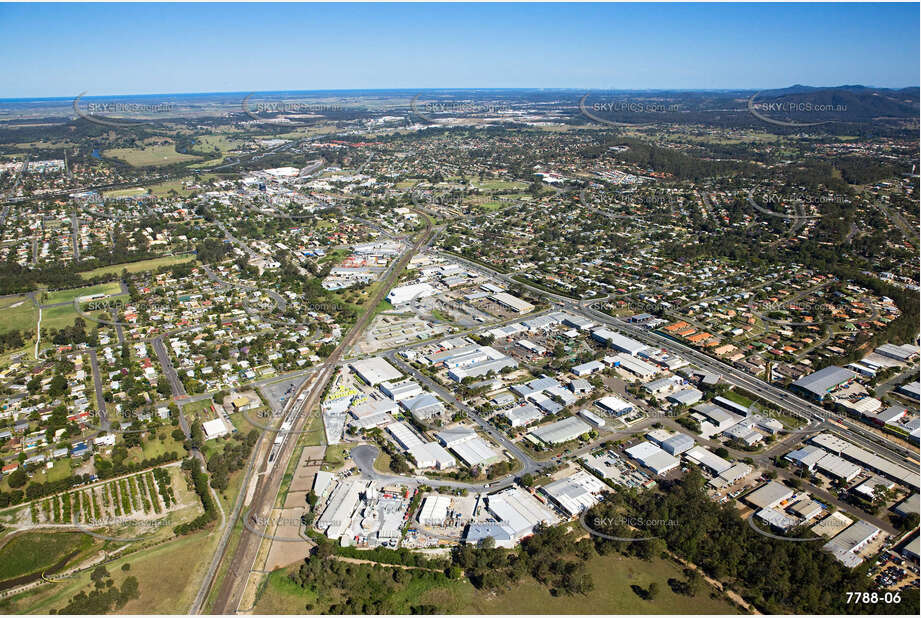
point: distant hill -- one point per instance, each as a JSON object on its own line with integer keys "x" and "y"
{"x": 851, "y": 103}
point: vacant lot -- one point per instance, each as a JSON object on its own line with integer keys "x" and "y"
{"x": 150, "y": 156}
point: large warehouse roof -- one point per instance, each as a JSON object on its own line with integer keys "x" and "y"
{"x": 375, "y": 370}
{"x": 562, "y": 431}
{"x": 824, "y": 380}
{"x": 769, "y": 494}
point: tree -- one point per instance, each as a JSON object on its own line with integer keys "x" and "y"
{"x": 653, "y": 591}
{"x": 17, "y": 478}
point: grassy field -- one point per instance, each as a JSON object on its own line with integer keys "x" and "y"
{"x": 168, "y": 577}
{"x": 136, "y": 267}
{"x": 132, "y": 192}
{"x": 220, "y": 143}
{"x": 61, "y": 296}
{"x": 613, "y": 576}
{"x": 17, "y": 313}
{"x": 59, "y": 317}
{"x": 150, "y": 156}
{"x": 33, "y": 551}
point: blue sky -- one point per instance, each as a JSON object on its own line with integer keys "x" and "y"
{"x": 62, "y": 50}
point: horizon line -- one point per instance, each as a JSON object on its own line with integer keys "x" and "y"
{"x": 562, "y": 89}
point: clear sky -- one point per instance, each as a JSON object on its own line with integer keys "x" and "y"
{"x": 65, "y": 49}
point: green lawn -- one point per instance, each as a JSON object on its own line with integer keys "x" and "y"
{"x": 136, "y": 267}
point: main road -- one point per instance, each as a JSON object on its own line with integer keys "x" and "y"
{"x": 818, "y": 417}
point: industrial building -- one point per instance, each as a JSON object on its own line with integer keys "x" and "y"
{"x": 587, "y": 369}
{"x": 338, "y": 512}
{"x": 912, "y": 390}
{"x": 512, "y": 302}
{"x": 731, "y": 475}
{"x": 818, "y": 384}
{"x": 403, "y": 435}
{"x": 614, "y": 406}
{"x": 468, "y": 446}
{"x": 215, "y": 428}
{"x": 408, "y": 293}
{"x": 561, "y": 431}
{"x": 575, "y": 493}
{"x": 769, "y": 495}
{"x": 806, "y": 457}
{"x": 502, "y": 534}
{"x": 867, "y": 460}
{"x": 522, "y": 415}
{"x": 845, "y": 546}
{"x": 901, "y": 353}
{"x": 403, "y": 389}
{"x": 618, "y": 341}
{"x": 639, "y": 368}
{"x": 838, "y": 468}
{"x": 434, "y": 511}
{"x": 375, "y": 370}
{"x": 431, "y": 455}
{"x": 677, "y": 444}
{"x": 775, "y": 518}
{"x": 519, "y": 511}
{"x": 653, "y": 457}
{"x": 423, "y": 407}
{"x": 686, "y": 397}
{"x": 593, "y": 419}
{"x": 705, "y": 458}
